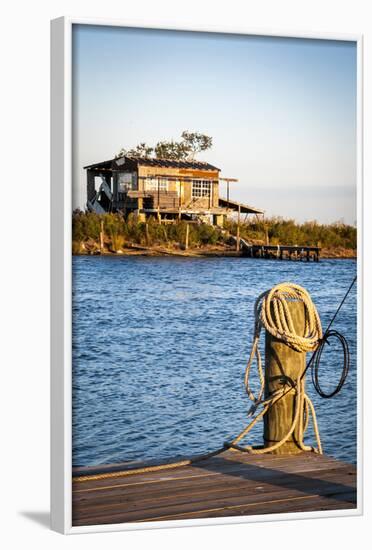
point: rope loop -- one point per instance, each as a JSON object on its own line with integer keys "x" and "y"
{"x": 273, "y": 314}
{"x": 315, "y": 365}
{"x": 276, "y": 318}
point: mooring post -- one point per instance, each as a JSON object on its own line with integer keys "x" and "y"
{"x": 283, "y": 366}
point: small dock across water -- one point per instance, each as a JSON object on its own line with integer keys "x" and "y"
{"x": 231, "y": 484}
{"x": 281, "y": 252}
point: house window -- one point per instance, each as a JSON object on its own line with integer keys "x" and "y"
{"x": 201, "y": 188}
{"x": 151, "y": 184}
{"x": 126, "y": 182}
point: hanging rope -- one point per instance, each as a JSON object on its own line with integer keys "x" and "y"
{"x": 317, "y": 361}
{"x": 273, "y": 314}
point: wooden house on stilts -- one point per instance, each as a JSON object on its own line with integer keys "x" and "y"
{"x": 168, "y": 189}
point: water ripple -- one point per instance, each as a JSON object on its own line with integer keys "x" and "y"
{"x": 160, "y": 346}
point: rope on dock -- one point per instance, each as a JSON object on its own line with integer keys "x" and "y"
{"x": 272, "y": 313}
{"x": 147, "y": 469}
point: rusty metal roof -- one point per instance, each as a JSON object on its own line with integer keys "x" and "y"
{"x": 233, "y": 205}
{"x": 117, "y": 164}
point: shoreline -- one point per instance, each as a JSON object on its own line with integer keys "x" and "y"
{"x": 207, "y": 252}
{"x": 112, "y": 235}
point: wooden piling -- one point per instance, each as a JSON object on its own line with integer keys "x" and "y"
{"x": 101, "y": 237}
{"x": 238, "y": 231}
{"x": 283, "y": 366}
{"x": 187, "y": 237}
{"x": 180, "y": 201}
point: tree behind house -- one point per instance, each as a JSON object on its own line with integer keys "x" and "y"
{"x": 187, "y": 148}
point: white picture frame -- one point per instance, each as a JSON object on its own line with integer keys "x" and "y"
{"x": 61, "y": 280}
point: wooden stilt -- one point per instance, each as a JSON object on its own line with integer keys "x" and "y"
{"x": 238, "y": 231}
{"x": 187, "y": 237}
{"x": 101, "y": 237}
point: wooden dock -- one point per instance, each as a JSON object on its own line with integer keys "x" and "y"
{"x": 231, "y": 484}
{"x": 282, "y": 252}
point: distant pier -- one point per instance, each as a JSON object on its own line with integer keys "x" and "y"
{"x": 281, "y": 252}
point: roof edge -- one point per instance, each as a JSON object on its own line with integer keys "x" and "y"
{"x": 148, "y": 160}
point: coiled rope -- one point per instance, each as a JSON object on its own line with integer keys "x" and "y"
{"x": 272, "y": 313}
{"x": 317, "y": 361}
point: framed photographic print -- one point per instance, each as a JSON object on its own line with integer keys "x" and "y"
{"x": 206, "y": 290}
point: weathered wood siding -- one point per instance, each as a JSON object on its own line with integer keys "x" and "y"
{"x": 183, "y": 188}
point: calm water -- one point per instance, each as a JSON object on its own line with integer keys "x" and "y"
{"x": 160, "y": 347}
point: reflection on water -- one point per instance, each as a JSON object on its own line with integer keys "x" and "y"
{"x": 160, "y": 347}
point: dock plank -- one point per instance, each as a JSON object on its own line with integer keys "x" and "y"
{"x": 230, "y": 484}
{"x": 208, "y": 483}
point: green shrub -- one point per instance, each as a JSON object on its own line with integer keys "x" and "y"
{"x": 87, "y": 226}
{"x": 288, "y": 232}
{"x": 207, "y": 234}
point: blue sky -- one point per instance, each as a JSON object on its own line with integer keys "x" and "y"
{"x": 282, "y": 112}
